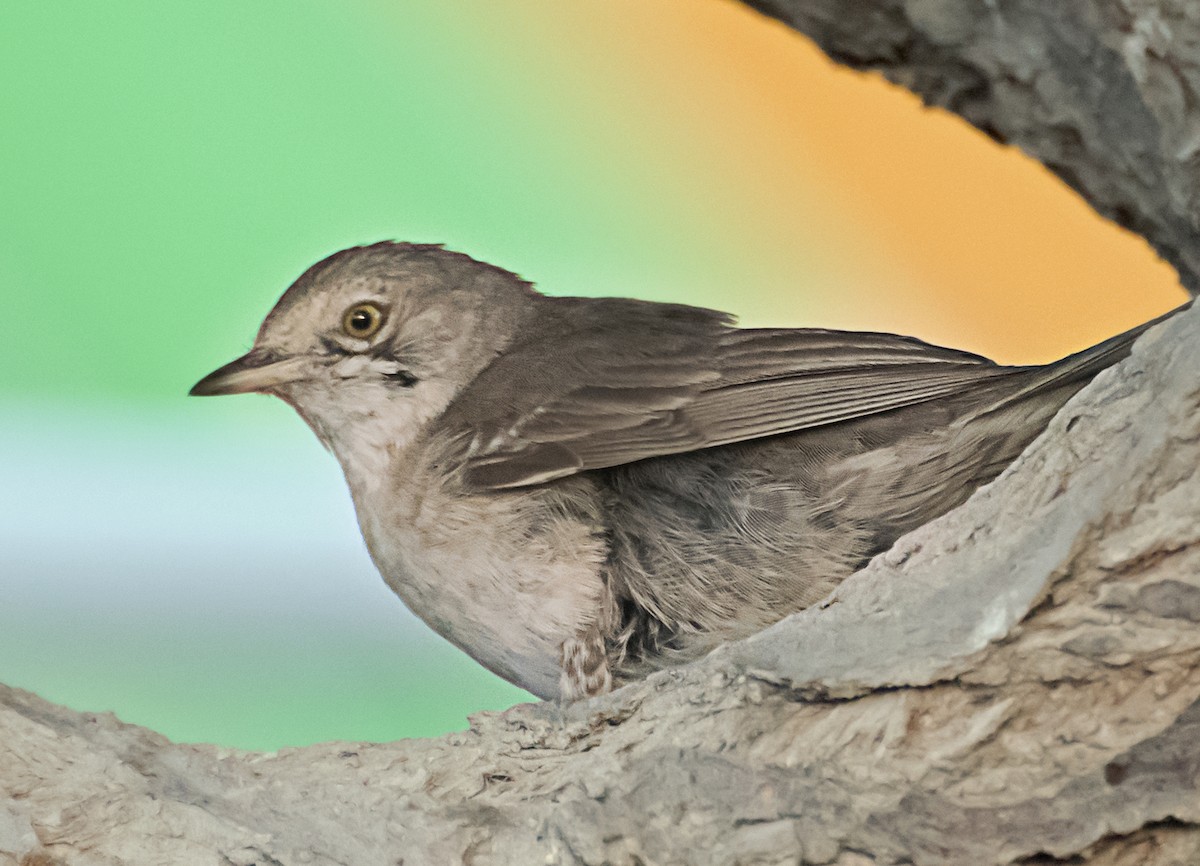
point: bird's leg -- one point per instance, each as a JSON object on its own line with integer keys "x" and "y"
{"x": 584, "y": 665}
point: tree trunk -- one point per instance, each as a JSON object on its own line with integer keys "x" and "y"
{"x": 1015, "y": 682}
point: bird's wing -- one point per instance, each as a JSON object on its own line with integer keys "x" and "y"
{"x": 610, "y": 382}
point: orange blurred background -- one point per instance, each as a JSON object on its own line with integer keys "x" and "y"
{"x": 923, "y": 224}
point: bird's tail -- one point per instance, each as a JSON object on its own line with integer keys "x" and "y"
{"x": 1079, "y": 369}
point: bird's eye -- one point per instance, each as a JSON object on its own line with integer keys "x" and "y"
{"x": 362, "y": 320}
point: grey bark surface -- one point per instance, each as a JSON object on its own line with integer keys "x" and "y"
{"x": 1015, "y": 682}
{"x": 1106, "y": 94}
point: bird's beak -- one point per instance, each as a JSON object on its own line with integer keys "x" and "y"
{"x": 254, "y": 371}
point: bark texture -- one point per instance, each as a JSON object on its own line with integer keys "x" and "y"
{"x": 1016, "y": 682}
{"x": 1105, "y": 93}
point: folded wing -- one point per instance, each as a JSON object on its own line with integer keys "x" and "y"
{"x": 608, "y": 382}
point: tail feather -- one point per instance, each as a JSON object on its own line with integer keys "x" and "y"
{"x": 1080, "y": 368}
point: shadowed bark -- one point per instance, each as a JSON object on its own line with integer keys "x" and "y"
{"x": 1015, "y": 682}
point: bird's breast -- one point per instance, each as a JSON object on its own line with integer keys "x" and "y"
{"x": 504, "y": 576}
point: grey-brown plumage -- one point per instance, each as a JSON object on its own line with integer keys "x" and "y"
{"x": 579, "y": 491}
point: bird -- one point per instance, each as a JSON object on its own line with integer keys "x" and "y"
{"x": 578, "y": 492}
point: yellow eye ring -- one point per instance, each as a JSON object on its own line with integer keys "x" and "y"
{"x": 362, "y": 321}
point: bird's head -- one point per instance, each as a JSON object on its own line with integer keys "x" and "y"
{"x": 373, "y": 342}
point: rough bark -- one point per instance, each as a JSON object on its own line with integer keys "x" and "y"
{"x": 1105, "y": 93}
{"x": 1015, "y": 682}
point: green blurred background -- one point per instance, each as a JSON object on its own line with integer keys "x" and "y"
{"x": 167, "y": 169}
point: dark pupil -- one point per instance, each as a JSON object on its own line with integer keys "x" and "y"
{"x": 360, "y": 320}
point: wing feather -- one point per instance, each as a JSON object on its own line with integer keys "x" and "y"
{"x": 611, "y": 382}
